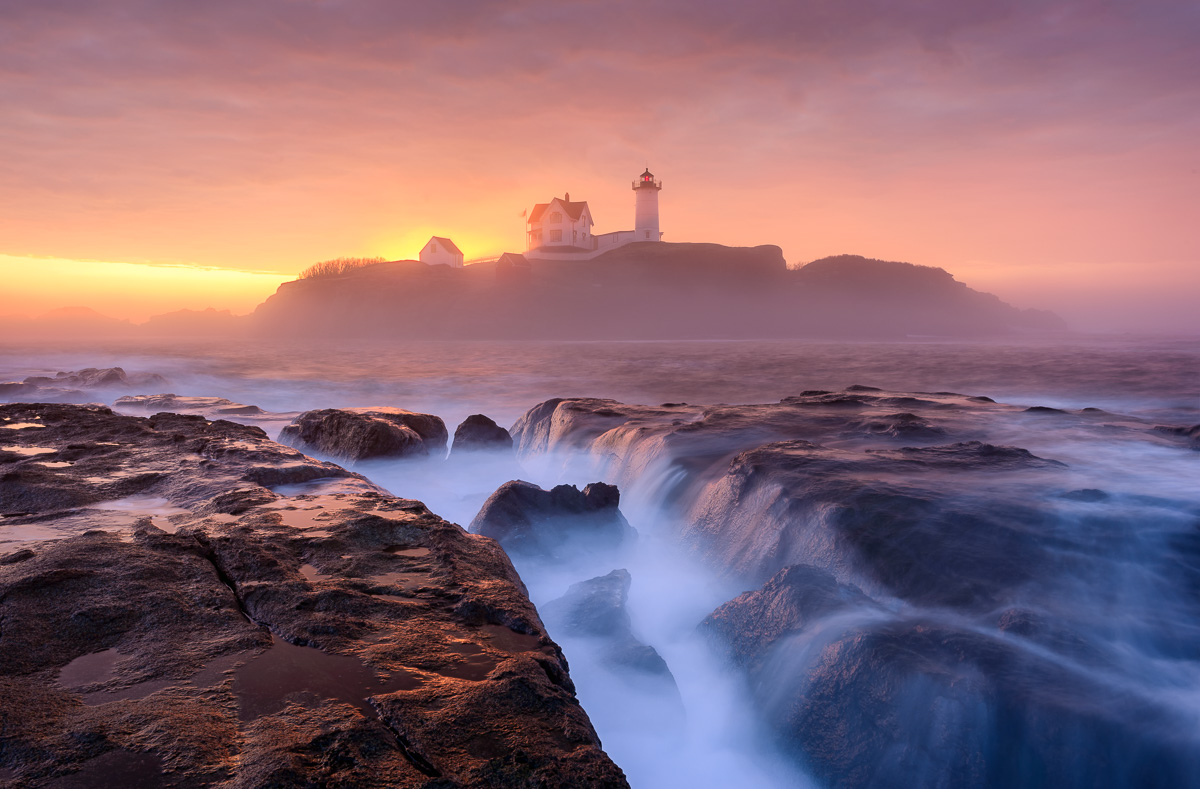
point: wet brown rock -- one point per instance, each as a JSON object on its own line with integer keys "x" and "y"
{"x": 366, "y": 433}
{"x": 82, "y": 455}
{"x": 479, "y": 433}
{"x": 134, "y": 640}
{"x": 79, "y": 385}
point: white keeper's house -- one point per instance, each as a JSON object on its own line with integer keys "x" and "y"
{"x": 441, "y": 251}
{"x": 562, "y": 229}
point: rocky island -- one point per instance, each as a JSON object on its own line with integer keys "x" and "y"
{"x": 664, "y": 291}
{"x": 640, "y": 291}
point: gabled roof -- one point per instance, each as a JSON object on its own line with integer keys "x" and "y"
{"x": 446, "y": 243}
{"x": 513, "y": 258}
{"x": 573, "y": 209}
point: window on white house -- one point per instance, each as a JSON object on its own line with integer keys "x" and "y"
{"x": 433, "y": 247}
{"x": 556, "y": 217}
{"x": 556, "y": 235}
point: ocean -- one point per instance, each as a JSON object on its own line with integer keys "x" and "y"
{"x": 1114, "y": 583}
{"x": 1152, "y": 377}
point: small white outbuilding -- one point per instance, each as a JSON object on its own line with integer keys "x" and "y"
{"x": 441, "y": 251}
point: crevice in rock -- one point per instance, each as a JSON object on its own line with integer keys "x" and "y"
{"x": 211, "y": 555}
{"x": 402, "y": 744}
{"x": 406, "y": 749}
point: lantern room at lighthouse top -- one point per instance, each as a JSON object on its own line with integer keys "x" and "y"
{"x": 647, "y": 181}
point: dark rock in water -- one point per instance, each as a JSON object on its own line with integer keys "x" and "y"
{"x": 756, "y": 493}
{"x": 593, "y": 608}
{"x": 1191, "y": 434}
{"x": 885, "y": 701}
{"x": 936, "y": 541}
{"x": 596, "y": 609}
{"x": 745, "y": 628}
{"x": 900, "y": 426}
{"x": 206, "y": 624}
{"x": 93, "y": 378}
{"x": 176, "y": 404}
{"x": 77, "y": 386}
{"x": 970, "y": 454}
{"x": 526, "y": 519}
{"x": 14, "y": 389}
{"x": 919, "y": 703}
{"x": 367, "y": 433}
{"x": 1043, "y": 629}
{"x": 477, "y": 432}
{"x": 207, "y": 407}
{"x": 962, "y": 620}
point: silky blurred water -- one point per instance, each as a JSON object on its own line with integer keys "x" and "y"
{"x": 1122, "y": 599}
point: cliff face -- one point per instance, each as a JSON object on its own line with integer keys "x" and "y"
{"x": 883, "y": 297}
{"x": 644, "y": 291}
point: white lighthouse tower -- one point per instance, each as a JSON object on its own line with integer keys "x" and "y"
{"x": 646, "y": 213}
{"x": 561, "y": 229}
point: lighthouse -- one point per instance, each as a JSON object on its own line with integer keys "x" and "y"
{"x": 646, "y": 212}
{"x": 561, "y": 229}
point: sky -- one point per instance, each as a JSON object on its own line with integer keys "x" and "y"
{"x": 167, "y": 154}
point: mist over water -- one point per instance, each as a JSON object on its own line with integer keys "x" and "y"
{"x": 503, "y": 379}
{"x": 1117, "y": 578}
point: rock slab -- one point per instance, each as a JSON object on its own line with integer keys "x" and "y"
{"x": 172, "y": 621}
{"x": 479, "y": 433}
{"x": 367, "y": 433}
{"x": 526, "y": 519}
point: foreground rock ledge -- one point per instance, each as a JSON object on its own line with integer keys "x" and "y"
{"x": 202, "y": 630}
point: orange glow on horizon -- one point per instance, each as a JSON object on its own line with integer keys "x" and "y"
{"x": 941, "y": 136}
{"x": 127, "y": 291}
